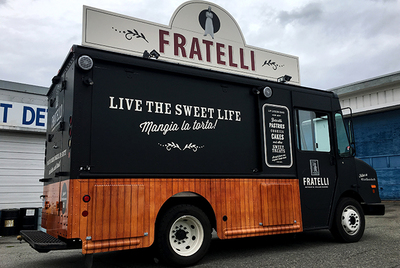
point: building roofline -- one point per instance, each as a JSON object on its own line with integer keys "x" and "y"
{"x": 24, "y": 88}
{"x": 374, "y": 82}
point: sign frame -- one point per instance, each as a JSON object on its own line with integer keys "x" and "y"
{"x": 199, "y": 34}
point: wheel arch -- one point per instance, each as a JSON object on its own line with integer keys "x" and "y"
{"x": 349, "y": 193}
{"x": 189, "y": 198}
{"x": 352, "y": 194}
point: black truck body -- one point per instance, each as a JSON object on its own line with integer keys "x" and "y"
{"x": 137, "y": 119}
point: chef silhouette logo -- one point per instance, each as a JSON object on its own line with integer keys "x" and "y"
{"x": 314, "y": 166}
{"x": 209, "y": 21}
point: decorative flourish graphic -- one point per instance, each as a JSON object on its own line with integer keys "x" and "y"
{"x": 129, "y": 35}
{"x": 193, "y": 147}
{"x": 172, "y": 145}
{"x": 273, "y": 64}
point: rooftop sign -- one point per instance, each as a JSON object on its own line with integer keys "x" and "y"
{"x": 199, "y": 34}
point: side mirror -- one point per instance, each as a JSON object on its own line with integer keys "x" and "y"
{"x": 352, "y": 149}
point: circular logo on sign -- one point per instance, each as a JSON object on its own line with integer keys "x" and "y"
{"x": 209, "y": 21}
{"x": 64, "y": 197}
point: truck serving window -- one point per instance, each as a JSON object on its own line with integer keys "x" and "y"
{"x": 313, "y": 131}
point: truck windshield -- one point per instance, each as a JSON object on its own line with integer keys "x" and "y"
{"x": 342, "y": 137}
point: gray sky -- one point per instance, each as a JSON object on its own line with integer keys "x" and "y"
{"x": 337, "y": 41}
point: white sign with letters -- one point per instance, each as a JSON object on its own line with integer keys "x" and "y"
{"x": 16, "y": 115}
{"x": 200, "y": 34}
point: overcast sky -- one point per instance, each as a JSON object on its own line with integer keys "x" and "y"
{"x": 337, "y": 41}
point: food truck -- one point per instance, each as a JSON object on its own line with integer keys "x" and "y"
{"x": 159, "y": 139}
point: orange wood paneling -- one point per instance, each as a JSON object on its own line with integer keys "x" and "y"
{"x": 122, "y": 212}
{"x": 52, "y": 211}
{"x": 277, "y": 204}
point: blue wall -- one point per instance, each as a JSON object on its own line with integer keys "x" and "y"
{"x": 378, "y": 143}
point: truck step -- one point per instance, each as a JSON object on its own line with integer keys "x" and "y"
{"x": 41, "y": 241}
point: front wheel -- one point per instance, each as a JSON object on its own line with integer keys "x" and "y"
{"x": 349, "y": 221}
{"x": 183, "y": 235}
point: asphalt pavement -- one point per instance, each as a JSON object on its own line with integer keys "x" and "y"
{"x": 379, "y": 247}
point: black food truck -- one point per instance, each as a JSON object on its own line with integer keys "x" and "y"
{"x": 142, "y": 152}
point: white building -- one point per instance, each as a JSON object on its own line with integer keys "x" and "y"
{"x": 23, "y": 118}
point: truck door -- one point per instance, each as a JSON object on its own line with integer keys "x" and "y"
{"x": 345, "y": 161}
{"x": 315, "y": 161}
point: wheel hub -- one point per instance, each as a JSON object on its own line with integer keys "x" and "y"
{"x": 350, "y": 220}
{"x": 186, "y": 235}
{"x": 180, "y": 234}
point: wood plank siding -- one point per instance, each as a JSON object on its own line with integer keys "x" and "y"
{"x": 122, "y": 212}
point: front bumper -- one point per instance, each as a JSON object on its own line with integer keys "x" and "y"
{"x": 373, "y": 209}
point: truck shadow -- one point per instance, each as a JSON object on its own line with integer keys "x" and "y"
{"x": 221, "y": 251}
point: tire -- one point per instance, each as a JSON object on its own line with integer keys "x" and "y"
{"x": 183, "y": 235}
{"x": 349, "y": 221}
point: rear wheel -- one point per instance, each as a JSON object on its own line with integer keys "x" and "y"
{"x": 183, "y": 235}
{"x": 349, "y": 221}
